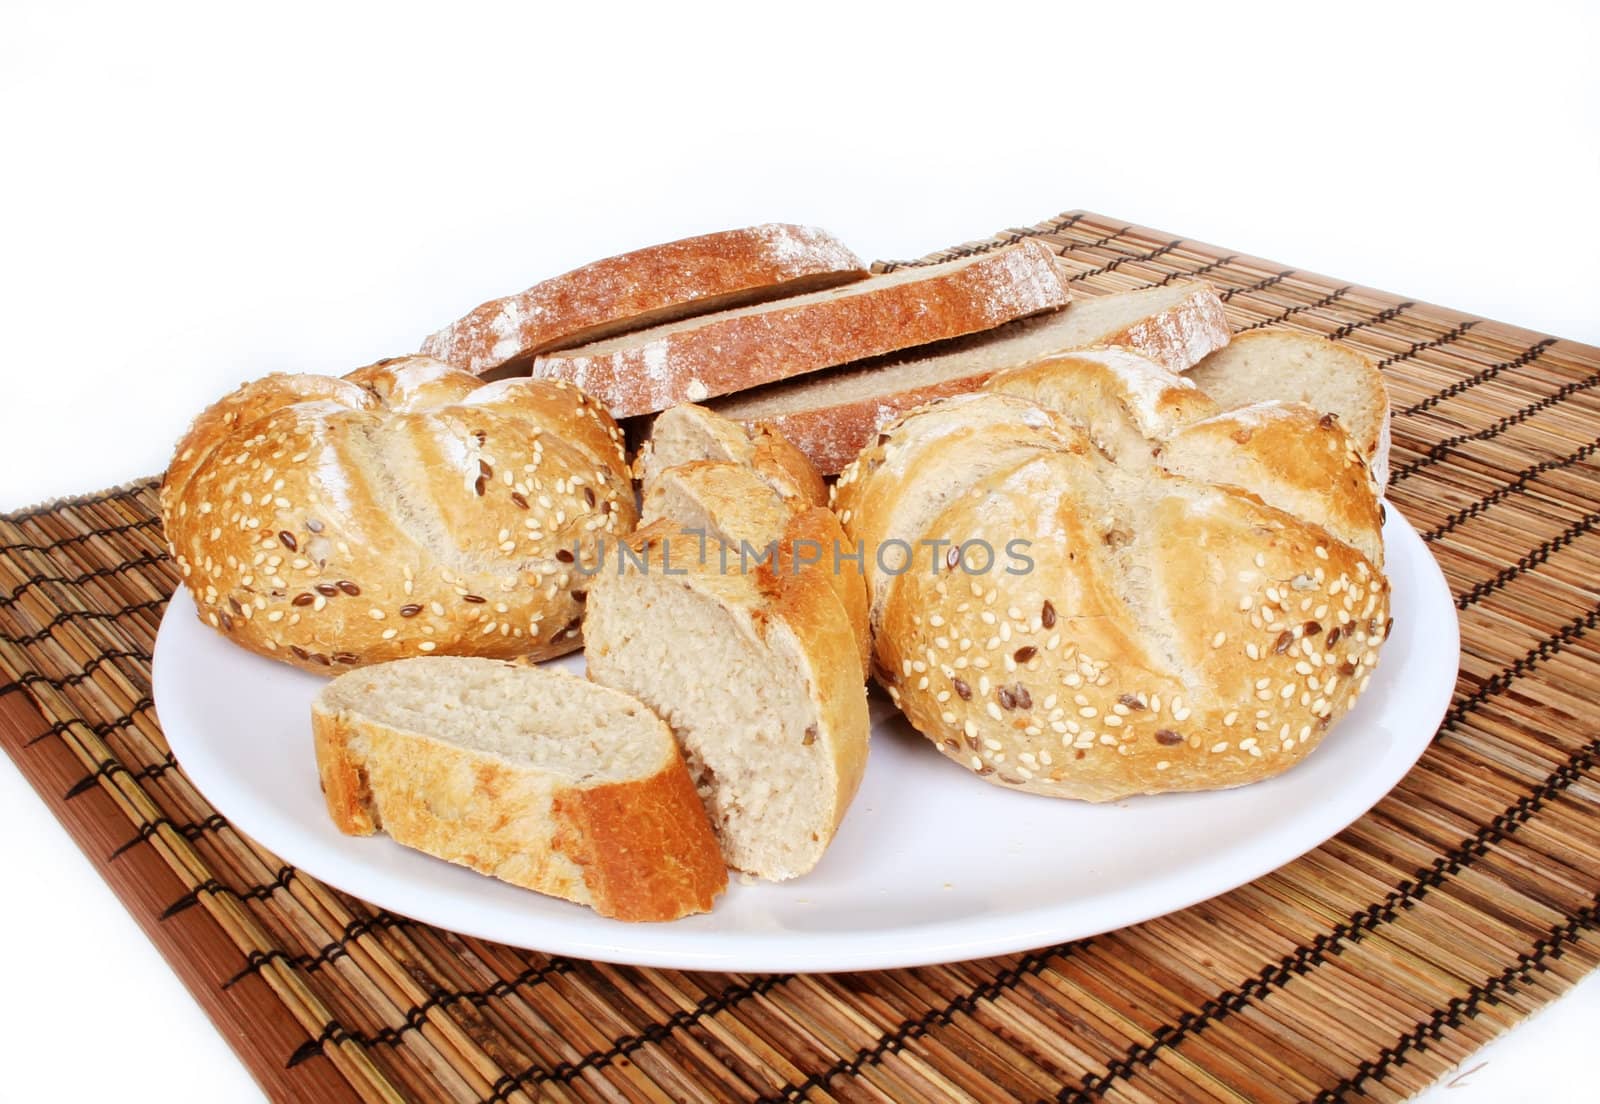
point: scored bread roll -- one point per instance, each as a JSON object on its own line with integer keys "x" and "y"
{"x": 403, "y": 510}
{"x": 1182, "y": 615}
{"x": 644, "y": 288}
{"x": 758, "y": 675}
{"x": 535, "y": 777}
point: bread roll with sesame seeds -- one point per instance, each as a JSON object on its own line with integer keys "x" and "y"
{"x": 758, "y": 675}
{"x": 406, "y": 509}
{"x": 540, "y": 779}
{"x": 1194, "y": 612}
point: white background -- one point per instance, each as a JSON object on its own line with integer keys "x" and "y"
{"x": 194, "y": 196}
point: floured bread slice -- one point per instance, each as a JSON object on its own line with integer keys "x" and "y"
{"x": 715, "y": 354}
{"x": 756, "y": 673}
{"x": 730, "y": 505}
{"x": 644, "y": 288}
{"x": 833, "y": 416}
{"x": 1297, "y": 367}
{"x": 686, "y": 433}
{"x": 538, "y": 778}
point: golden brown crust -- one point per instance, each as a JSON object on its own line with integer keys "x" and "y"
{"x": 646, "y": 848}
{"x": 644, "y": 288}
{"x": 408, "y": 509}
{"x": 638, "y": 849}
{"x": 722, "y": 354}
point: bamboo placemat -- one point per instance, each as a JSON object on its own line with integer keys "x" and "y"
{"x": 1463, "y": 902}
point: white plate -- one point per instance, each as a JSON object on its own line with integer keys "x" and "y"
{"x": 929, "y": 866}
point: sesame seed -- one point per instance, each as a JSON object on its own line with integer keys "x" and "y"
{"x": 1219, "y": 747}
{"x": 427, "y": 645}
{"x": 1218, "y": 640}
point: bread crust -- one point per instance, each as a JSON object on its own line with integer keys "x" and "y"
{"x": 406, "y": 509}
{"x": 796, "y": 613}
{"x": 644, "y": 288}
{"x": 832, "y": 435}
{"x": 722, "y": 354}
{"x": 698, "y": 433}
{"x": 638, "y": 849}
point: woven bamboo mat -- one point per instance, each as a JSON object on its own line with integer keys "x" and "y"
{"x": 1463, "y": 902}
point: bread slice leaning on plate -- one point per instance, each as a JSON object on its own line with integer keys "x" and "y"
{"x": 538, "y": 778}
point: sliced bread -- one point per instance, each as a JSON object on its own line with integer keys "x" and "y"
{"x": 645, "y": 288}
{"x": 732, "y": 506}
{"x": 686, "y": 433}
{"x": 715, "y": 354}
{"x": 1296, "y": 367}
{"x": 538, "y": 778}
{"x": 757, "y": 674}
{"x": 833, "y": 416}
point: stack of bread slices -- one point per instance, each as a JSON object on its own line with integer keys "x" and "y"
{"x": 724, "y": 719}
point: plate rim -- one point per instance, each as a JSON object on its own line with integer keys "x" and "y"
{"x": 942, "y": 941}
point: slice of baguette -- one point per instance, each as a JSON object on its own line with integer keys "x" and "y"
{"x": 1297, "y": 367}
{"x": 645, "y": 288}
{"x": 686, "y": 433}
{"x": 758, "y": 676}
{"x": 694, "y": 359}
{"x": 731, "y": 505}
{"x": 834, "y": 416}
{"x": 538, "y": 778}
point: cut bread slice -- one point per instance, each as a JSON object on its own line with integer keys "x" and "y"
{"x": 1297, "y": 367}
{"x": 686, "y": 433}
{"x": 538, "y": 778}
{"x": 715, "y": 354}
{"x": 833, "y": 416}
{"x": 730, "y": 505}
{"x": 645, "y": 288}
{"x": 758, "y": 676}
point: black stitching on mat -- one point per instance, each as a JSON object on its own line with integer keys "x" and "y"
{"x": 101, "y": 729}
{"x": 56, "y": 545}
{"x": 1446, "y": 338}
{"x": 78, "y": 580}
{"x": 1501, "y": 680}
{"x": 1209, "y": 266}
{"x": 1259, "y": 285}
{"x": 1528, "y": 561}
{"x": 1462, "y": 1009}
{"x": 192, "y": 898}
{"x": 1303, "y": 959}
{"x": 82, "y": 615}
{"x": 121, "y": 494}
{"x": 563, "y": 1072}
{"x": 416, "y": 1017}
{"x": 1028, "y": 965}
{"x": 1159, "y": 251}
{"x": 33, "y": 678}
{"x": 1388, "y": 314}
{"x": 1289, "y": 312}
{"x": 1516, "y": 486}
{"x": 1526, "y": 357}
{"x": 1440, "y": 449}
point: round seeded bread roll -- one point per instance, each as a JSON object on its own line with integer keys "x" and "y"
{"x": 1177, "y": 599}
{"x": 405, "y": 509}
